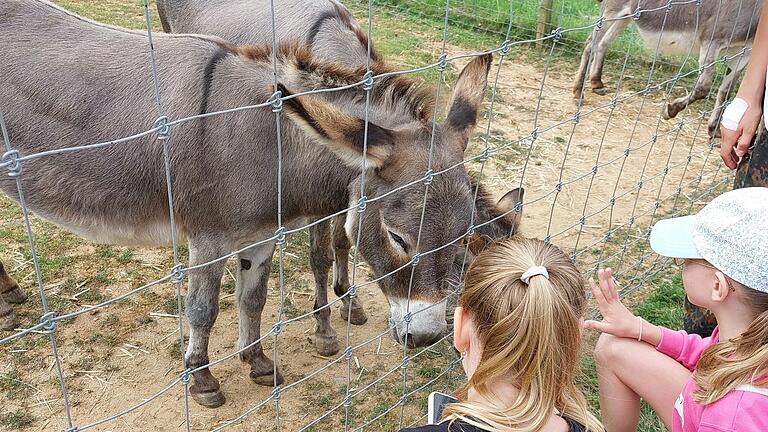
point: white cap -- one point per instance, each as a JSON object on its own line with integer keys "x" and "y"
{"x": 731, "y": 233}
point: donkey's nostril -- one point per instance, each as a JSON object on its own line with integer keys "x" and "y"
{"x": 417, "y": 340}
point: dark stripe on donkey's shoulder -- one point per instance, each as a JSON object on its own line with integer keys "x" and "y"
{"x": 210, "y": 69}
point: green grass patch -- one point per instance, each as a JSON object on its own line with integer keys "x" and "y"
{"x": 16, "y": 419}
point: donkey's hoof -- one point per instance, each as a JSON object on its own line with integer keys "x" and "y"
{"x": 267, "y": 380}
{"x": 602, "y": 91}
{"x": 326, "y": 345}
{"x": 668, "y": 112}
{"x": 9, "y": 321}
{"x": 15, "y": 296}
{"x": 210, "y": 399}
{"x": 356, "y": 317}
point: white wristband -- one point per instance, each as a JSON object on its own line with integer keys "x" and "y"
{"x": 733, "y": 113}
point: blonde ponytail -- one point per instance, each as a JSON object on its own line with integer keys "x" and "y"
{"x": 530, "y": 335}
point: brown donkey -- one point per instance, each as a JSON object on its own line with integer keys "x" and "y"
{"x": 224, "y": 167}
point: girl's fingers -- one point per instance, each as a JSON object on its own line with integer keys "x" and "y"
{"x": 597, "y": 325}
{"x": 597, "y": 293}
{"x": 602, "y": 276}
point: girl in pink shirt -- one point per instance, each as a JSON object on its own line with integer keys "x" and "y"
{"x": 714, "y": 384}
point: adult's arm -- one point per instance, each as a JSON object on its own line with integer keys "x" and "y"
{"x": 735, "y": 143}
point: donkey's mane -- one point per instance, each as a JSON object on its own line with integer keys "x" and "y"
{"x": 392, "y": 92}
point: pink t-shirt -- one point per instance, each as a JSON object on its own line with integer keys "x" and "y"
{"x": 744, "y": 409}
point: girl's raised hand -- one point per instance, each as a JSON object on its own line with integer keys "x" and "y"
{"x": 617, "y": 319}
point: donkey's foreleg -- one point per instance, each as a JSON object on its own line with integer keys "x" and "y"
{"x": 252, "y": 277}
{"x": 604, "y": 40}
{"x": 8, "y": 320}
{"x": 581, "y": 75}
{"x": 735, "y": 66}
{"x": 320, "y": 259}
{"x": 202, "y": 308}
{"x": 351, "y": 308}
{"x": 707, "y": 56}
{"x": 9, "y": 289}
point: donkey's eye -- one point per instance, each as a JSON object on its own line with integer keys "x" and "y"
{"x": 399, "y": 240}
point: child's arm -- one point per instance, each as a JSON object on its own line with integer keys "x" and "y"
{"x": 621, "y": 322}
{"x": 683, "y": 347}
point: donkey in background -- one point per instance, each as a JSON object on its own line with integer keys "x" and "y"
{"x": 333, "y": 34}
{"x": 724, "y": 28}
{"x": 117, "y": 195}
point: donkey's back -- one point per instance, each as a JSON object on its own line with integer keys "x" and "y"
{"x": 325, "y": 25}
{"x": 70, "y": 82}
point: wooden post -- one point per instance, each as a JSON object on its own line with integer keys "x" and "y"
{"x": 544, "y": 26}
{"x": 752, "y": 171}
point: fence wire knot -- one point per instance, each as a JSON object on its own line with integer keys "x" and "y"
{"x": 626, "y": 153}
{"x": 614, "y": 102}
{"x": 352, "y": 291}
{"x": 347, "y": 400}
{"x": 669, "y": 7}
{"x": 470, "y": 231}
{"x": 362, "y": 203}
{"x": 666, "y": 170}
{"x": 697, "y": 3}
{"x": 405, "y": 363}
{"x": 557, "y": 34}
{"x": 404, "y": 399}
{"x": 599, "y": 23}
{"x": 163, "y": 129}
{"x": 48, "y": 322}
{"x": 595, "y": 169}
{"x": 280, "y": 236}
{"x": 583, "y": 221}
{"x": 559, "y": 187}
{"x": 348, "y": 353}
{"x": 612, "y": 202}
{"x": 368, "y": 81}
{"x": 415, "y": 260}
{"x": 12, "y": 162}
{"x": 276, "y": 394}
{"x": 639, "y": 185}
{"x": 547, "y": 240}
{"x": 407, "y": 318}
{"x": 185, "y": 376}
{"x": 428, "y": 177}
{"x": 484, "y": 155}
{"x": 647, "y": 90}
{"x": 518, "y": 207}
{"x": 177, "y": 273}
{"x": 277, "y": 328}
{"x": 73, "y": 429}
{"x": 534, "y": 134}
{"x": 577, "y": 117}
{"x": 277, "y": 101}
{"x": 442, "y": 62}
{"x": 505, "y": 48}
{"x": 654, "y": 138}
{"x": 636, "y": 15}
{"x": 657, "y": 205}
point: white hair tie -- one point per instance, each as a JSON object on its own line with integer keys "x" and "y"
{"x": 534, "y": 271}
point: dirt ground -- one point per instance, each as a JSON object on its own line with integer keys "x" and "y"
{"x": 117, "y": 357}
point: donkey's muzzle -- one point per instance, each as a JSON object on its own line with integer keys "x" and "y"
{"x": 417, "y": 323}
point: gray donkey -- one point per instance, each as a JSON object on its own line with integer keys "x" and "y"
{"x": 78, "y": 89}
{"x": 724, "y": 28}
{"x": 332, "y": 33}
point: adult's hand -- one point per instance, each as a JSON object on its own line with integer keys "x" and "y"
{"x": 735, "y": 143}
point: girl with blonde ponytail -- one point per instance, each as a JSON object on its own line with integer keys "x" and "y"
{"x": 518, "y": 329}
{"x": 714, "y": 384}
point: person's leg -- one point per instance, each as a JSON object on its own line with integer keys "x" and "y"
{"x": 629, "y": 370}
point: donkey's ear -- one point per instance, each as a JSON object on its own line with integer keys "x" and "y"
{"x": 467, "y": 97}
{"x": 342, "y": 133}
{"x": 507, "y": 204}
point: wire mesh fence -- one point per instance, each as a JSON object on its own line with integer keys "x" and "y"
{"x": 597, "y": 172}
